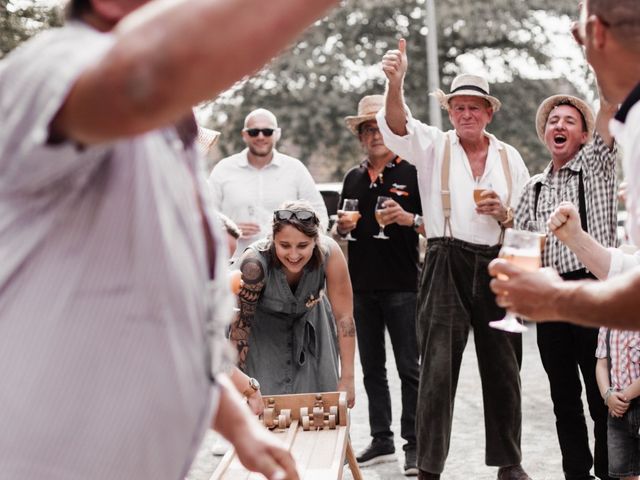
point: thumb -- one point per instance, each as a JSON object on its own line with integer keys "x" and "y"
{"x": 402, "y": 46}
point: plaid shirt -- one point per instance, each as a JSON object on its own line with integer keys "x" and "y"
{"x": 625, "y": 356}
{"x": 597, "y": 162}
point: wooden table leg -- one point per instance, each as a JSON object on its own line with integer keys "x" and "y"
{"x": 353, "y": 463}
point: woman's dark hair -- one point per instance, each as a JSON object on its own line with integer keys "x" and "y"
{"x": 310, "y": 228}
{"x": 76, "y": 8}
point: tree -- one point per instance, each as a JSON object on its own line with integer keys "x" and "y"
{"x": 19, "y": 20}
{"x": 320, "y": 79}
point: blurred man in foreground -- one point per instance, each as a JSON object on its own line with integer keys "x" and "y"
{"x": 609, "y": 30}
{"x": 109, "y": 249}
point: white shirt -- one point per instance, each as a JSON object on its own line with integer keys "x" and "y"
{"x": 424, "y": 147}
{"x": 627, "y": 135}
{"x": 103, "y": 286}
{"x": 248, "y": 194}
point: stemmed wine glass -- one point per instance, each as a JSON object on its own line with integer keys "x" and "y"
{"x": 521, "y": 249}
{"x": 350, "y": 210}
{"x": 379, "y": 207}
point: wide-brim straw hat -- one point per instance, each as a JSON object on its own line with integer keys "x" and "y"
{"x": 468, "y": 85}
{"x": 368, "y": 107}
{"x": 207, "y": 138}
{"x": 552, "y": 102}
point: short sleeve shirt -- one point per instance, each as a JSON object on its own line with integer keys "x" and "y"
{"x": 103, "y": 284}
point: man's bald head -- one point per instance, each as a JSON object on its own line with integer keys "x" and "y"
{"x": 264, "y": 113}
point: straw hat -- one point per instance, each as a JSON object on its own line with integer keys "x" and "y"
{"x": 552, "y": 102}
{"x": 367, "y": 108}
{"x": 468, "y": 85}
{"x": 207, "y": 138}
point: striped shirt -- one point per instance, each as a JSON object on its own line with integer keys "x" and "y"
{"x": 103, "y": 285}
{"x": 625, "y": 356}
{"x": 596, "y": 163}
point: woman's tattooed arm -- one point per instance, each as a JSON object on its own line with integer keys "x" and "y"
{"x": 253, "y": 277}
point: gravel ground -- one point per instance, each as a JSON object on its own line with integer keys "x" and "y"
{"x": 541, "y": 454}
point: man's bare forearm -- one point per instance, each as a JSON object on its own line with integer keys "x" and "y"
{"x": 395, "y": 115}
{"x": 613, "y": 303}
{"x": 172, "y": 54}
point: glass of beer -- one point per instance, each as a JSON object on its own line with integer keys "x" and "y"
{"x": 523, "y": 250}
{"x": 539, "y": 227}
{"x": 350, "y": 210}
{"x": 379, "y": 208}
{"x": 479, "y": 187}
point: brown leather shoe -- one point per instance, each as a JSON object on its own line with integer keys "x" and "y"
{"x": 422, "y": 475}
{"x": 512, "y": 472}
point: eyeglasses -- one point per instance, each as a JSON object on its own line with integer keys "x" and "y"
{"x": 254, "y": 132}
{"x": 301, "y": 215}
{"x": 370, "y": 131}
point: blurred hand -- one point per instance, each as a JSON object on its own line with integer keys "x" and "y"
{"x": 528, "y": 294}
{"x": 260, "y": 451}
{"x": 256, "y": 404}
{"x": 248, "y": 229}
{"x": 622, "y": 192}
{"x": 565, "y": 223}
{"x": 395, "y": 63}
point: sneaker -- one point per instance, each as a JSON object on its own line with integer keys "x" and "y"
{"x": 410, "y": 467}
{"x": 378, "y": 451}
{"x": 512, "y": 472}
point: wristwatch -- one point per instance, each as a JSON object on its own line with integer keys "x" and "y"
{"x": 417, "y": 221}
{"x": 253, "y": 387}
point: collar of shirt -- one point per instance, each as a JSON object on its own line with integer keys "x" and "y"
{"x": 244, "y": 159}
{"x": 366, "y": 165}
{"x": 492, "y": 160}
{"x": 627, "y": 105}
{"x": 575, "y": 165}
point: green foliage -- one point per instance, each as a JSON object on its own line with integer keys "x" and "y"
{"x": 20, "y": 19}
{"x": 319, "y": 80}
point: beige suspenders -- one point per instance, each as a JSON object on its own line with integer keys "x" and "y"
{"x": 444, "y": 183}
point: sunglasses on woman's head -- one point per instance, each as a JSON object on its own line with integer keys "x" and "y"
{"x": 254, "y": 132}
{"x": 301, "y": 215}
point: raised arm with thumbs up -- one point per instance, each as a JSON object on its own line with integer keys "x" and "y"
{"x": 394, "y": 66}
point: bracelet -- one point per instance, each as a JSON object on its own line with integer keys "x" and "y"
{"x": 607, "y": 394}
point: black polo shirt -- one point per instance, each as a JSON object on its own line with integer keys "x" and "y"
{"x": 374, "y": 264}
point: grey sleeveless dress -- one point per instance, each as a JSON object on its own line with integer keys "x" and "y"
{"x": 292, "y": 345}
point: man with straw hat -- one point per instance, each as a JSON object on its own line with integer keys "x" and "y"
{"x": 463, "y": 237}
{"x": 384, "y": 275}
{"x": 581, "y": 179}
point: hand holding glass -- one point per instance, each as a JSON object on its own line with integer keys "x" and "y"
{"x": 479, "y": 188}
{"x": 350, "y": 210}
{"x": 523, "y": 250}
{"x": 379, "y": 208}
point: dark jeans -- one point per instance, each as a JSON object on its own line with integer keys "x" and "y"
{"x": 623, "y": 436}
{"x": 454, "y": 297}
{"x": 566, "y": 350}
{"x": 396, "y": 312}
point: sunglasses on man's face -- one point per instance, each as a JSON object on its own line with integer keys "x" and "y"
{"x": 301, "y": 215}
{"x": 254, "y": 132}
